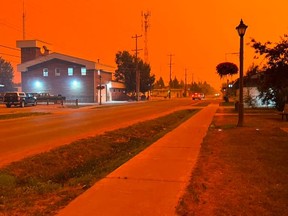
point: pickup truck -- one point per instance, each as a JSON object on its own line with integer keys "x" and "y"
{"x": 19, "y": 99}
{"x": 47, "y": 97}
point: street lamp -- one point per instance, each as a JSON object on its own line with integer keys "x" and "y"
{"x": 241, "y": 28}
{"x": 100, "y": 88}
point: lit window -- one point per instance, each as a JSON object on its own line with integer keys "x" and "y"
{"x": 45, "y": 72}
{"x": 57, "y": 71}
{"x": 83, "y": 71}
{"x": 70, "y": 71}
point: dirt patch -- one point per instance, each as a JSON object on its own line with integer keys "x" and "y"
{"x": 240, "y": 171}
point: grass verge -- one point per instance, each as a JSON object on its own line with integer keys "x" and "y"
{"x": 21, "y": 115}
{"x": 240, "y": 171}
{"x": 42, "y": 184}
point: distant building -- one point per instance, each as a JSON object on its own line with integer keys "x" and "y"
{"x": 251, "y": 94}
{"x": 72, "y": 77}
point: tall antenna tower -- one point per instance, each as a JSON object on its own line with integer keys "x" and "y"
{"x": 145, "y": 26}
{"x": 24, "y": 21}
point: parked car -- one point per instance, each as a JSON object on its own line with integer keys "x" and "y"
{"x": 198, "y": 96}
{"x": 19, "y": 99}
{"x": 47, "y": 97}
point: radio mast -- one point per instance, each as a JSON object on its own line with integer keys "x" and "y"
{"x": 145, "y": 26}
{"x": 24, "y": 21}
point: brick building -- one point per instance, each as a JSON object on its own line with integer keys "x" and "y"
{"x": 74, "y": 78}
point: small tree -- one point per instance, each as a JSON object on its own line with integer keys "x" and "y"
{"x": 6, "y": 76}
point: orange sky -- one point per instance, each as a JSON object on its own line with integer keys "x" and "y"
{"x": 199, "y": 35}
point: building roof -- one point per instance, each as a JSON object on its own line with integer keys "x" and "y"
{"x": 88, "y": 64}
{"x": 32, "y": 43}
{"x": 252, "y": 81}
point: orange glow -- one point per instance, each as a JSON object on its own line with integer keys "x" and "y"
{"x": 199, "y": 34}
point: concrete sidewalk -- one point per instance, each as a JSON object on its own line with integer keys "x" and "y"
{"x": 152, "y": 182}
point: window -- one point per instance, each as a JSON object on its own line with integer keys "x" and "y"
{"x": 70, "y": 71}
{"x": 57, "y": 71}
{"x": 45, "y": 72}
{"x": 83, "y": 71}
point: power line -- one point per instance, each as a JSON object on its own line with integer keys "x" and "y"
{"x": 9, "y": 47}
{"x": 10, "y": 55}
{"x": 105, "y": 65}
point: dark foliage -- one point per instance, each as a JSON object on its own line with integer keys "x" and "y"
{"x": 159, "y": 84}
{"x": 274, "y": 81}
{"x": 126, "y": 72}
{"x": 6, "y": 75}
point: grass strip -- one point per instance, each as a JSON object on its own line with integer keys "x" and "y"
{"x": 21, "y": 115}
{"x": 240, "y": 170}
{"x": 42, "y": 184}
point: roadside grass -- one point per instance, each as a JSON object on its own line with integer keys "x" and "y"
{"x": 202, "y": 103}
{"x": 21, "y": 115}
{"x": 240, "y": 171}
{"x": 227, "y": 103}
{"x": 42, "y": 184}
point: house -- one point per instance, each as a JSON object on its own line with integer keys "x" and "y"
{"x": 251, "y": 94}
{"x": 59, "y": 74}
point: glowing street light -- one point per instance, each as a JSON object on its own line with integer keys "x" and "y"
{"x": 241, "y": 28}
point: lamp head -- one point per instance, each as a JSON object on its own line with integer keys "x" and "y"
{"x": 241, "y": 28}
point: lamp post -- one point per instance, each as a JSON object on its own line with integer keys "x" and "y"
{"x": 241, "y": 28}
{"x": 100, "y": 79}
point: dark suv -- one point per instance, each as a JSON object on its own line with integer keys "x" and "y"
{"x": 19, "y": 99}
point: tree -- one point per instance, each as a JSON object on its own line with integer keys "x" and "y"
{"x": 274, "y": 82}
{"x": 182, "y": 84}
{"x": 175, "y": 83}
{"x": 6, "y": 76}
{"x": 159, "y": 84}
{"x": 126, "y": 72}
{"x": 202, "y": 87}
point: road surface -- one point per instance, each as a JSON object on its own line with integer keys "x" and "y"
{"x": 22, "y": 137}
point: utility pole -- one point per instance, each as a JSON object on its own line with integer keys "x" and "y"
{"x": 136, "y": 63}
{"x": 170, "y": 77}
{"x": 100, "y": 82}
{"x": 192, "y": 78}
{"x": 185, "y": 87}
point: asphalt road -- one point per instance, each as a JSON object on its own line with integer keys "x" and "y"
{"x": 22, "y": 137}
